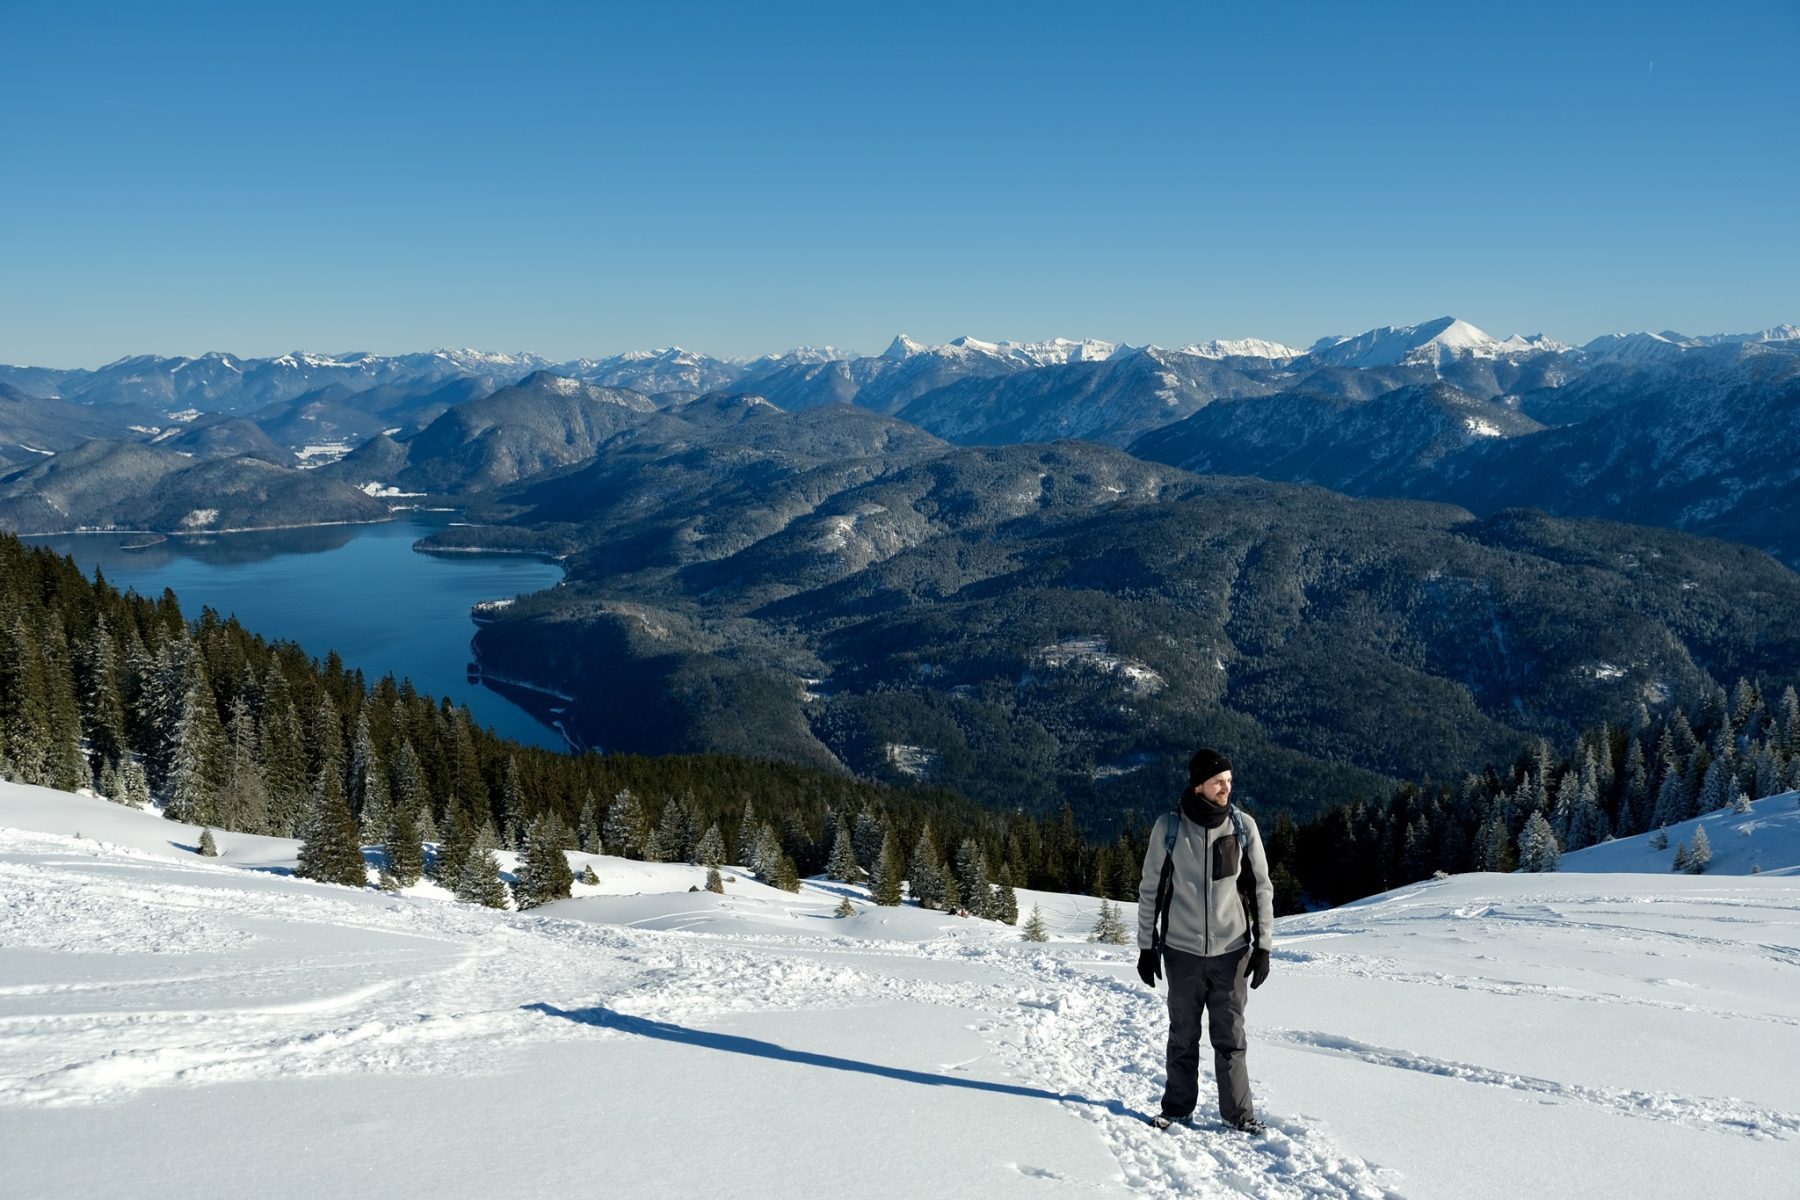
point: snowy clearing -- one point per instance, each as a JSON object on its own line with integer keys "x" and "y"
{"x": 196, "y": 1027}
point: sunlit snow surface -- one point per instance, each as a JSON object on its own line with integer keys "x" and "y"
{"x": 187, "y": 1027}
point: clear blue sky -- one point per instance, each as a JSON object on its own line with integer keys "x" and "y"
{"x": 737, "y": 178}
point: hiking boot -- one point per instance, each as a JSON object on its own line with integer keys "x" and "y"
{"x": 1165, "y": 1121}
{"x": 1249, "y": 1125}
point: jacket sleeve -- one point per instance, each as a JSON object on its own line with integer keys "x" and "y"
{"x": 1265, "y": 890}
{"x": 1153, "y": 865}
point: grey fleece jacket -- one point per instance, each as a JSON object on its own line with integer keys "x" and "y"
{"x": 1206, "y": 916}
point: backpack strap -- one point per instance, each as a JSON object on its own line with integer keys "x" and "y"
{"x": 1244, "y": 868}
{"x": 1159, "y": 920}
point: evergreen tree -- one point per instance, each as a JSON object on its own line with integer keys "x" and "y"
{"x": 972, "y": 878}
{"x": 1006, "y": 903}
{"x": 675, "y": 832}
{"x": 589, "y": 876}
{"x": 710, "y": 850}
{"x": 1635, "y": 800}
{"x": 134, "y": 783}
{"x": 1672, "y": 802}
{"x": 626, "y": 826}
{"x": 924, "y": 873}
{"x": 330, "y": 852}
{"x": 404, "y": 845}
{"x": 406, "y": 787}
{"x": 866, "y": 838}
{"x": 512, "y": 805}
{"x": 1290, "y": 897}
{"x": 1716, "y": 792}
{"x": 282, "y": 751}
{"x": 1109, "y": 927}
{"x": 325, "y": 743}
{"x": 1741, "y": 803}
{"x": 765, "y": 861}
{"x": 369, "y": 796}
{"x": 844, "y": 908}
{"x": 208, "y": 847}
{"x": 587, "y": 828}
{"x": 842, "y": 867}
{"x": 478, "y": 880}
{"x": 1790, "y": 722}
{"x": 749, "y": 830}
{"x": 714, "y": 881}
{"x": 885, "y": 883}
{"x": 243, "y": 802}
{"x": 1033, "y": 930}
{"x": 1701, "y": 853}
{"x": 1538, "y": 850}
{"x": 196, "y": 767}
{"x": 544, "y": 874}
{"x": 787, "y": 876}
{"x": 1681, "y": 858}
{"x": 457, "y": 839}
{"x": 1660, "y": 839}
{"x": 102, "y": 709}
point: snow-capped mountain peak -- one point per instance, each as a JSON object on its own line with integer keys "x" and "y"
{"x": 1242, "y": 348}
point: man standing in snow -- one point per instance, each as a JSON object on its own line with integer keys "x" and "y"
{"x": 1196, "y": 921}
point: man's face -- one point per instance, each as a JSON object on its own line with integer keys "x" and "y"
{"x": 1217, "y": 790}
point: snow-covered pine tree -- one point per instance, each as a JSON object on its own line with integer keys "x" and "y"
{"x": 625, "y": 826}
{"x": 674, "y": 833}
{"x": 1006, "y": 903}
{"x": 925, "y": 872}
{"x": 749, "y": 829}
{"x": 1660, "y": 839}
{"x": 765, "y": 860}
{"x": 866, "y": 838}
{"x": 1109, "y": 926}
{"x": 1715, "y": 793}
{"x": 243, "y": 801}
{"x": 710, "y": 849}
{"x": 589, "y": 876}
{"x": 134, "y": 783}
{"x": 1634, "y": 800}
{"x": 196, "y": 769}
{"x": 208, "y": 847}
{"x": 330, "y": 852}
{"x": 102, "y": 708}
{"x": 478, "y": 881}
{"x": 457, "y": 838}
{"x": 403, "y": 846}
{"x": 885, "y": 883}
{"x": 1672, "y": 803}
{"x": 587, "y": 827}
{"x": 1700, "y": 855}
{"x": 787, "y": 876}
{"x": 282, "y": 751}
{"x": 972, "y": 878}
{"x": 369, "y": 795}
{"x": 512, "y": 805}
{"x": 1741, "y": 802}
{"x": 1538, "y": 850}
{"x": 714, "y": 881}
{"x": 1682, "y": 854}
{"x": 544, "y": 872}
{"x": 1033, "y": 930}
{"x": 843, "y": 867}
{"x": 844, "y": 908}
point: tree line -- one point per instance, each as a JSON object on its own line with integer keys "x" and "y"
{"x": 225, "y": 729}
{"x": 228, "y": 730}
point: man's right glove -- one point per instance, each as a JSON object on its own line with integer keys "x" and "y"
{"x": 1149, "y": 967}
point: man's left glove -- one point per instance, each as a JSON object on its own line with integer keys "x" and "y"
{"x": 1258, "y": 970}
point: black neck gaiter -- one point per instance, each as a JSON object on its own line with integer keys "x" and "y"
{"x": 1201, "y": 811}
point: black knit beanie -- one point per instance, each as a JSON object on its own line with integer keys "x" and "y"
{"x": 1204, "y": 765}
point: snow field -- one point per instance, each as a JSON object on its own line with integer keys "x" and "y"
{"x": 207, "y": 1027}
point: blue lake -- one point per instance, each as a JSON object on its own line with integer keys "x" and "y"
{"x": 358, "y": 589}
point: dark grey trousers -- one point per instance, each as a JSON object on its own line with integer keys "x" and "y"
{"x": 1216, "y": 987}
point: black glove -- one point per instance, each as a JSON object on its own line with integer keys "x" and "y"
{"x": 1149, "y": 967}
{"x": 1258, "y": 970}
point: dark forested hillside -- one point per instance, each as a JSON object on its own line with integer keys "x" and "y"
{"x": 1033, "y": 624}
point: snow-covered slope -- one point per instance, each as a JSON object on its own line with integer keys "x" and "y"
{"x": 194, "y": 1027}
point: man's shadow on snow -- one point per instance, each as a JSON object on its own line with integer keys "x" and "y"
{"x": 667, "y": 1031}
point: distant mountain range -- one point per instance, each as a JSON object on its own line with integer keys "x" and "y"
{"x": 1020, "y": 569}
